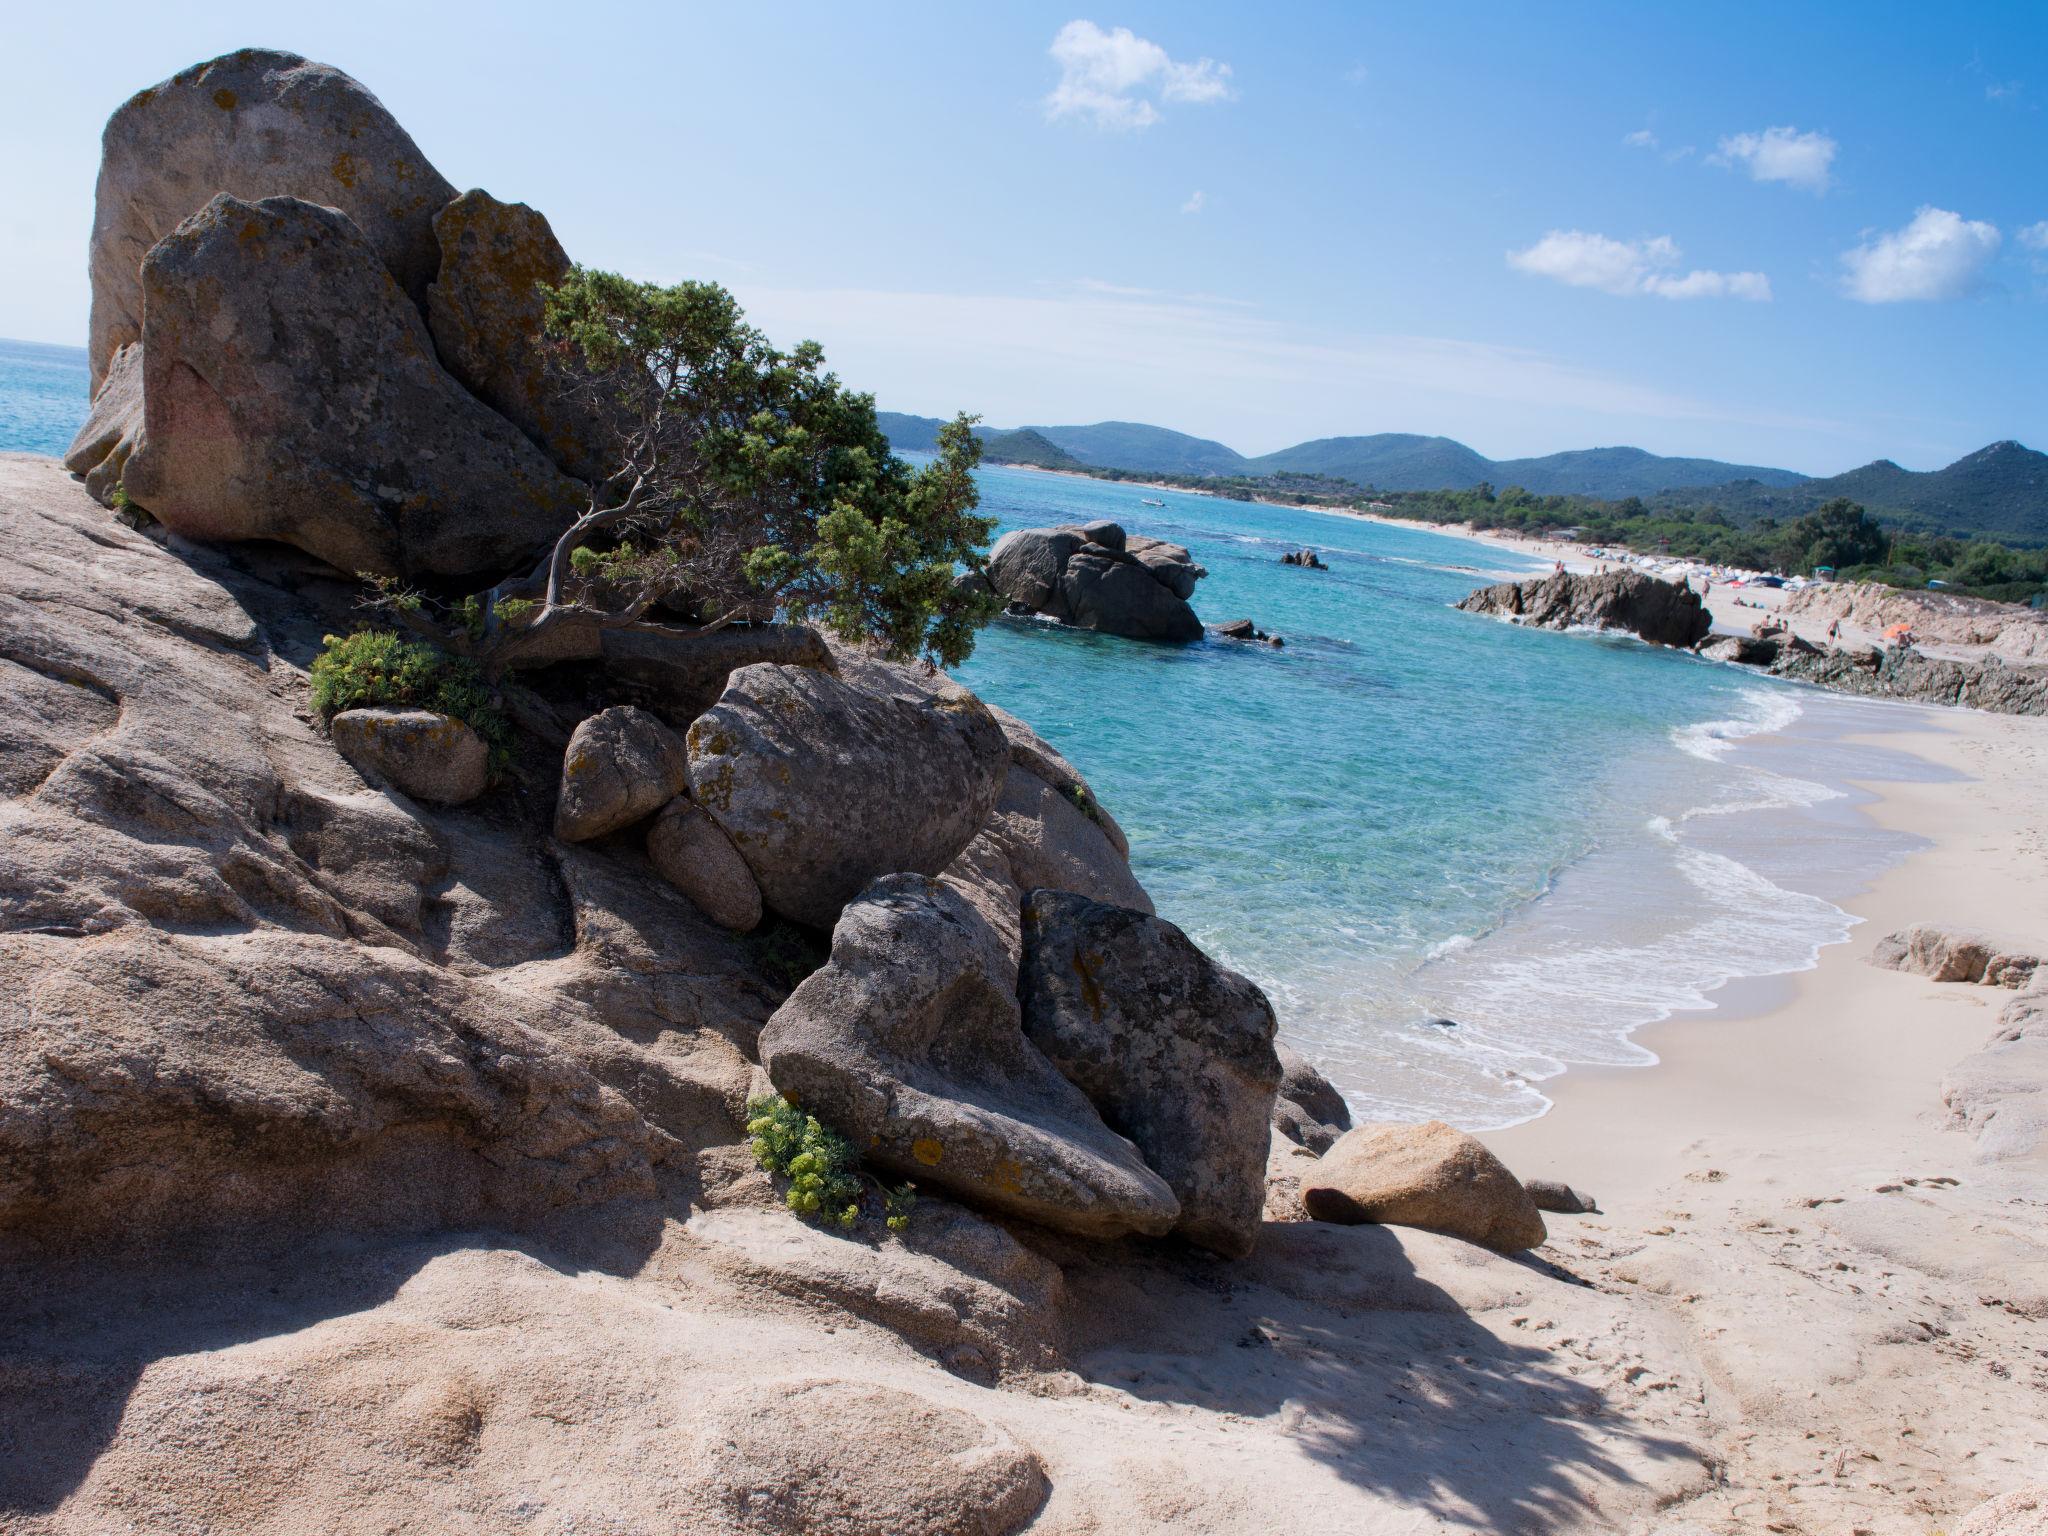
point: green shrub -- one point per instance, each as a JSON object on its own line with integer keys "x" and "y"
{"x": 380, "y": 667}
{"x": 824, "y": 1173}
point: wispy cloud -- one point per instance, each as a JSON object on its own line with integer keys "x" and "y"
{"x": 1229, "y": 370}
{"x": 1197, "y": 201}
{"x": 1803, "y": 160}
{"x": 1630, "y": 267}
{"x": 2034, "y": 237}
{"x": 1642, "y": 138}
{"x": 1115, "y": 79}
{"x": 1939, "y": 255}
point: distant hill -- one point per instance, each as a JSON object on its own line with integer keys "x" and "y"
{"x": 1026, "y": 445}
{"x": 1023, "y": 445}
{"x": 1612, "y": 473}
{"x": 2000, "y": 491}
{"x": 1150, "y": 450}
{"x": 1387, "y": 461}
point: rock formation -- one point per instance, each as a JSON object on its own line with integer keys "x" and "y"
{"x": 253, "y": 124}
{"x": 1901, "y": 672}
{"x": 1661, "y": 612}
{"x": 1097, "y": 577}
{"x": 1428, "y": 1176}
{"x": 1940, "y": 954}
{"x": 290, "y": 392}
{"x": 622, "y": 764}
{"x": 425, "y": 754}
{"x": 823, "y": 786}
{"x": 1307, "y": 559}
{"x": 1173, "y": 1050}
{"x": 909, "y": 1040}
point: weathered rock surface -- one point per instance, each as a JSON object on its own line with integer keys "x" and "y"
{"x": 248, "y": 988}
{"x": 821, "y": 1457}
{"x": 1174, "y": 1051}
{"x": 1307, "y": 559}
{"x": 291, "y": 392}
{"x": 1098, "y": 578}
{"x": 1941, "y": 954}
{"x": 1744, "y": 650}
{"x": 1661, "y": 612}
{"x": 484, "y": 310}
{"x": 1037, "y": 838}
{"x": 1901, "y": 672}
{"x": 909, "y": 1042}
{"x": 2023, "y": 1512}
{"x": 1427, "y": 1176}
{"x": 113, "y": 428}
{"x": 690, "y": 851}
{"x": 426, "y": 754}
{"x": 1556, "y": 1195}
{"x": 622, "y": 764}
{"x": 1309, "y": 1111}
{"x": 253, "y": 124}
{"x": 823, "y": 785}
{"x": 1038, "y": 757}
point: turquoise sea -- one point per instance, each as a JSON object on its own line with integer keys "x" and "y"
{"x": 1460, "y": 856}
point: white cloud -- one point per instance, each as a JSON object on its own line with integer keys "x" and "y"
{"x": 1112, "y": 78}
{"x": 1937, "y": 256}
{"x": 1197, "y": 201}
{"x": 2035, "y": 236}
{"x": 1582, "y": 260}
{"x": 1804, "y": 160}
{"x": 2001, "y": 90}
{"x": 1642, "y": 138}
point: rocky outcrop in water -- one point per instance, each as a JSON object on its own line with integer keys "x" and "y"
{"x": 1661, "y": 612}
{"x": 1097, "y": 577}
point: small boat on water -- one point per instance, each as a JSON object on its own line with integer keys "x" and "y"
{"x": 1147, "y": 501}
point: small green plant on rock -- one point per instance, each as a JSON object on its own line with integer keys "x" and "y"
{"x": 823, "y": 1169}
{"x": 1084, "y": 802}
{"x": 375, "y": 667}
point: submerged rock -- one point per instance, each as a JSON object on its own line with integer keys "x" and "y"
{"x": 1661, "y": 612}
{"x": 1307, "y": 559}
{"x": 430, "y": 756}
{"x": 1174, "y": 1051}
{"x": 291, "y": 393}
{"x": 1096, "y": 577}
{"x": 823, "y": 785}
{"x": 910, "y": 1043}
{"x": 1427, "y": 1176}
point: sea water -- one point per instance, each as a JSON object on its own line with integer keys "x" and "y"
{"x": 1460, "y": 856}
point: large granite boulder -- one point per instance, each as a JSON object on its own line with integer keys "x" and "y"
{"x": 290, "y": 392}
{"x": 621, "y": 764}
{"x": 484, "y": 310}
{"x": 1096, "y": 577}
{"x": 1174, "y": 1051}
{"x": 1429, "y": 1176}
{"x": 253, "y": 124}
{"x": 908, "y": 1042}
{"x": 1661, "y": 612}
{"x": 690, "y": 851}
{"x": 421, "y": 752}
{"x": 823, "y": 784}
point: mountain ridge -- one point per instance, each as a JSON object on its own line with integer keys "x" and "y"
{"x": 2000, "y": 490}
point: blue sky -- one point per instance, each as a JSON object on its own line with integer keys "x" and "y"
{"x": 1806, "y": 235}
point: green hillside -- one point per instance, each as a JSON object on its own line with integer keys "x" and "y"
{"x": 1618, "y": 472}
{"x": 1026, "y": 445}
{"x": 1398, "y": 461}
{"x": 2000, "y": 491}
{"x": 1151, "y": 450}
